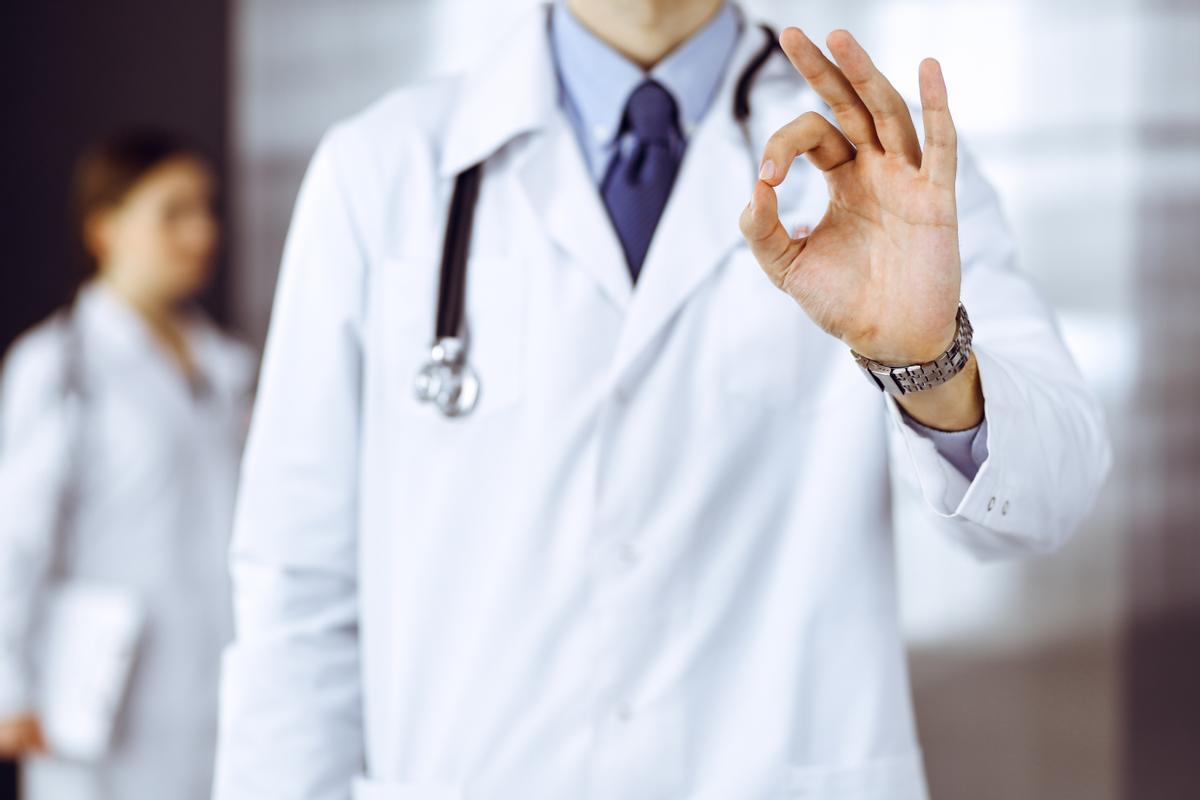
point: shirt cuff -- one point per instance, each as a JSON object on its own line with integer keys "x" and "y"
{"x": 966, "y": 450}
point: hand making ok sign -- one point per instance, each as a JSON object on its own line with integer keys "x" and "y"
{"x": 881, "y": 270}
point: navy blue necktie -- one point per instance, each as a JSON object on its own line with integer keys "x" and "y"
{"x": 638, "y": 182}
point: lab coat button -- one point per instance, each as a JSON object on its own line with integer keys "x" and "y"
{"x": 1004, "y": 508}
{"x": 991, "y": 503}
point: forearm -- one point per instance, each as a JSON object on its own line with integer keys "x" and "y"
{"x": 955, "y": 405}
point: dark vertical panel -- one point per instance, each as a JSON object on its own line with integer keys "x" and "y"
{"x": 8, "y": 781}
{"x": 1163, "y": 640}
{"x": 1162, "y": 651}
{"x": 72, "y": 72}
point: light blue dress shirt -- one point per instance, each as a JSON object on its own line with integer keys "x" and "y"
{"x": 595, "y": 82}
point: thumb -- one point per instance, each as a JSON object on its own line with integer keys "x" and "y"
{"x": 768, "y": 239}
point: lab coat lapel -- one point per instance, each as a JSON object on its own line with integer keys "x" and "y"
{"x": 511, "y": 90}
{"x": 514, "y": 92}
{"x": 564, "y": 197}
{"x": 699, "y": 226}
{"x": 512, "y": 99}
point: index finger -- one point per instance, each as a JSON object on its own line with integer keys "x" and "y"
{"x": 828, "y": 81}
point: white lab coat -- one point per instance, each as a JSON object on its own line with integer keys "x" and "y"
{"x": 657, "y": 560}
{"x": 156, "y": 478}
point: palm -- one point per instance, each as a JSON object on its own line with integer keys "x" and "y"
{"x": 886, "y": 250}
{"x": 881, "y": 269}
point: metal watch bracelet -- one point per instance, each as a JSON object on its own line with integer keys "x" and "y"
{"x": 912, "y": 378}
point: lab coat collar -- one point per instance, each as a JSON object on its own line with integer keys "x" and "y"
{"x": 114, "y": 332}
{"x": 510, "y": 90}
{"x": 514, "y": 91}
{"x": 109, "y": 324}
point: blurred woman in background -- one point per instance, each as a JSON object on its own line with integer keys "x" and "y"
{"x": 151, "y": 471}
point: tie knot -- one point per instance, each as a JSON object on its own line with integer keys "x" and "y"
{"x": 651, "y": 113}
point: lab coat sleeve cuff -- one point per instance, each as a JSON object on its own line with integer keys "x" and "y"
{"x": 982, "y": 503}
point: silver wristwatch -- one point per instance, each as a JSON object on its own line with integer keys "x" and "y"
{"x": 918, "y": 377}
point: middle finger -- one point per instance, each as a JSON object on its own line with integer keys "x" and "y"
{"x": 893, "y": 121}
{"x": 828, "y": 81}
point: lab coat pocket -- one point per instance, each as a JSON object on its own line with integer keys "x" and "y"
{"x": 403, "y": 316}
{"x": 895, "y": 778}
{"x": 772, "y": 355}
{"x": 367, "y": 789}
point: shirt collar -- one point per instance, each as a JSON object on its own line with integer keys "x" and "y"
{"x": 598, "y": 80}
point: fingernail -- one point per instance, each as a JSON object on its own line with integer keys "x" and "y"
{"x": 767, "y": 171}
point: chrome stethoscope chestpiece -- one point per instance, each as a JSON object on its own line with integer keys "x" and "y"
{"x": 447, "y": 380}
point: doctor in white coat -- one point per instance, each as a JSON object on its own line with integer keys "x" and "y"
{"x": 656, "y": 559}
{"x": 134, "y": 404}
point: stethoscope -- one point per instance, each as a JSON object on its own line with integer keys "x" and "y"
{"x": 447, "y": 380}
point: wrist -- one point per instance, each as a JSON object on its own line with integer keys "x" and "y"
{"x": 955, "y": 405}
{"x": 919, "y": 351}
{"x": 919, "y": 376}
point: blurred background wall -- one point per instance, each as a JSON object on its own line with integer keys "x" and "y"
{"x": 1162, "y": 542}
{"x": 1072, "y": 677}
